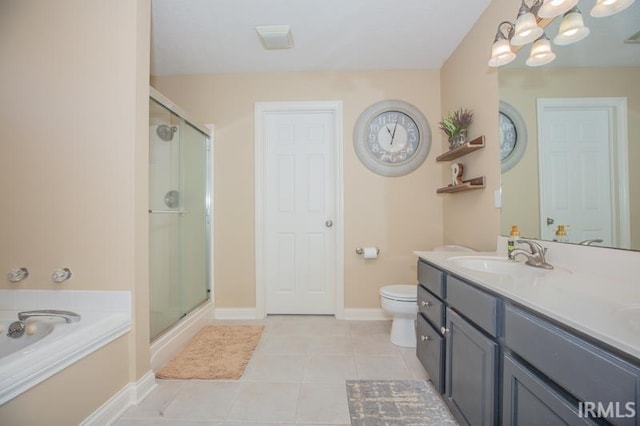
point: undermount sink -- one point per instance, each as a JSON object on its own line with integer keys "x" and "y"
{"x": 490, "y": 264}
{"x": 501, "y": 266}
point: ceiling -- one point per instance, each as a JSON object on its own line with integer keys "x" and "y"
{"x": 219, "y": 36}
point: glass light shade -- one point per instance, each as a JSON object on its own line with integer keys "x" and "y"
{"x": 541, "y": 53}
{"x": 527, "y": 29}
{"x": 553, "y": 8}
{"x": 609, "y": 7}
{"x": 501, "y": 53}
{"x": 572, "y": 28}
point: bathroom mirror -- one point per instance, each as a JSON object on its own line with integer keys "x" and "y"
{"x": 601, "y": 67}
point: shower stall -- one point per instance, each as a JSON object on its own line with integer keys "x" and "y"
{"x": 179, "y": 215}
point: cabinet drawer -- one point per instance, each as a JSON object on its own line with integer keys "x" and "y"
{"x": 430, "y": 307}
{"x": 430, "y": 352}
{"x": 584, "y": 370}
{"x": 478, "y": 306}
{"x": 431, "y": 278}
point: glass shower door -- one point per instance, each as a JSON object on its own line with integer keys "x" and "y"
{"x": 178, "y": 219}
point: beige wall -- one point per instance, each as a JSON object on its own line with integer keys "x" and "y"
{"x": 470, "y": 218}
{"x": 521, "y": 88}
{"x": 73, "y": 126}
{"x": 398, "y": 215}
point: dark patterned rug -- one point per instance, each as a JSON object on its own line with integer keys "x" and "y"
{"x": 396, "y": 403}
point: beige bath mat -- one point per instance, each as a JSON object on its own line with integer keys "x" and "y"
{"x": 216, "y": 352}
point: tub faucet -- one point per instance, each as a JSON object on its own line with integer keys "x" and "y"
{"x": 68, "y": 316}
{"x": 536, "y": 257}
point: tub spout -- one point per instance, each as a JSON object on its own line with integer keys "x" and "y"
{"x": 68, "y": 316}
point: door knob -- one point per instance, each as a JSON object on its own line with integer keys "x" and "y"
{"x": 328, "y": 223}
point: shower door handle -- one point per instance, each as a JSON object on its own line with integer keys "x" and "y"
{"x": 169, "y": 211}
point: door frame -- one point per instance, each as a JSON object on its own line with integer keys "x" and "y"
{"x": 261, "y": 108}
{"x": 618, "y": 158}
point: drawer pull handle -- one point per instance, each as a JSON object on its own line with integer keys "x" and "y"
{"x": 425, "y": 304}
{"x": 444, "y": 331}
{"x": 424, "y": 338}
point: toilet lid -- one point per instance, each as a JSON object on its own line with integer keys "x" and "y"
{"x": 404, "y": 292}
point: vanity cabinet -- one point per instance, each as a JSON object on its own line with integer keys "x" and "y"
{"x": 580, "y": 370}
{"x": 457, "y": 326}
{"x": 497, "y": 362}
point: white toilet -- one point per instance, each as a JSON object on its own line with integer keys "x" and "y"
{"x": 400, "y": 301}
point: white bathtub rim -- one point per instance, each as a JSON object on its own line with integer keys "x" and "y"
{"x": 32, "y": 365}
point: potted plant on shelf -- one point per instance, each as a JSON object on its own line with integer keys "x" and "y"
{"x": 456, "y": 126}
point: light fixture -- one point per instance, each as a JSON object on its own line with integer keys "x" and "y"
{"x": 526, "y": 28}
{"x": 572, "y": 28}
{"x": 501, "y": 53}
{"x": 275, "y": 36}
{"x": 553, "y": 8}
{"x": 541, "y": 53}
{"x": 609, "y": 7}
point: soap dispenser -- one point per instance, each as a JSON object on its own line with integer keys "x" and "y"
{"x": 561, "y": 234}
{"x": 511, "y": 242}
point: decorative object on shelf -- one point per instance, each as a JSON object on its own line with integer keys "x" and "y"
{"x": 513, "y": 136}
{"x": 456, "y": 126}
{"x": 466, "y": 185}
{"x": 526, "y": 29}
{"x": 457, "y": 169}
{"x": 392, "y": 138}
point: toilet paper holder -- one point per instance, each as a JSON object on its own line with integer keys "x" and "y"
{"x": 360, "y": 251}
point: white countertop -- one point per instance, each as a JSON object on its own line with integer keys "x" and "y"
{"x": 605, "y": 308}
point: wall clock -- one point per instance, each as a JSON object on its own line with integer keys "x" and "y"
{"x": 513, "y": 136}
{"x": 392, "y": 138}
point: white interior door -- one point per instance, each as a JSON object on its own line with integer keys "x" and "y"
{"x": 299, "y": 212}
{"x": 576, "y": 149}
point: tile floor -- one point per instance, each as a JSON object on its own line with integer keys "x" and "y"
{"x": 296, "y": 377}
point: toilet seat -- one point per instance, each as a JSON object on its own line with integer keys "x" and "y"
{"x": 400, "y": 292}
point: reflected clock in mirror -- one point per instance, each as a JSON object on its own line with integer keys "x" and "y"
{"x": 513, "y": 136}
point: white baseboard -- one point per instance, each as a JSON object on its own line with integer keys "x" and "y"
{"x": 371, "y": 314}
{"x": 129, "y": 395}
{"x": 236, "y": 313}
{"x": 173, "y": 341}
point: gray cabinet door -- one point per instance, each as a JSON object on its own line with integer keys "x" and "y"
{"x": 430, "y": 352}
{"x": 529, "y": 401}
{"x": 471, "y": 372}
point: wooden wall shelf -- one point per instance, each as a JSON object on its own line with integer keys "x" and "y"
{"x": 467, "y": 185}
{"x": 464, "y": 149}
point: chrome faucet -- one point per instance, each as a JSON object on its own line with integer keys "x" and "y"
{"x": 18, "y": 328}
{"x": 68, "y": 316}
{"x": 591, "y": 241}
{"x": 536, "y": 257}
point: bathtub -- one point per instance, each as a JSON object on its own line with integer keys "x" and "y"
{"x": 53, "y": 344}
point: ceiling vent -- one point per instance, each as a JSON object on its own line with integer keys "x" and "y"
{"x": 275, "y": 36}
{"x": 634, "y": 38}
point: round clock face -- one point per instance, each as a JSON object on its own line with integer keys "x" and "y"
{"x": 513, "y": 136}
{"x": 392, "y": 138}
{"x": 508, "y": 136}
